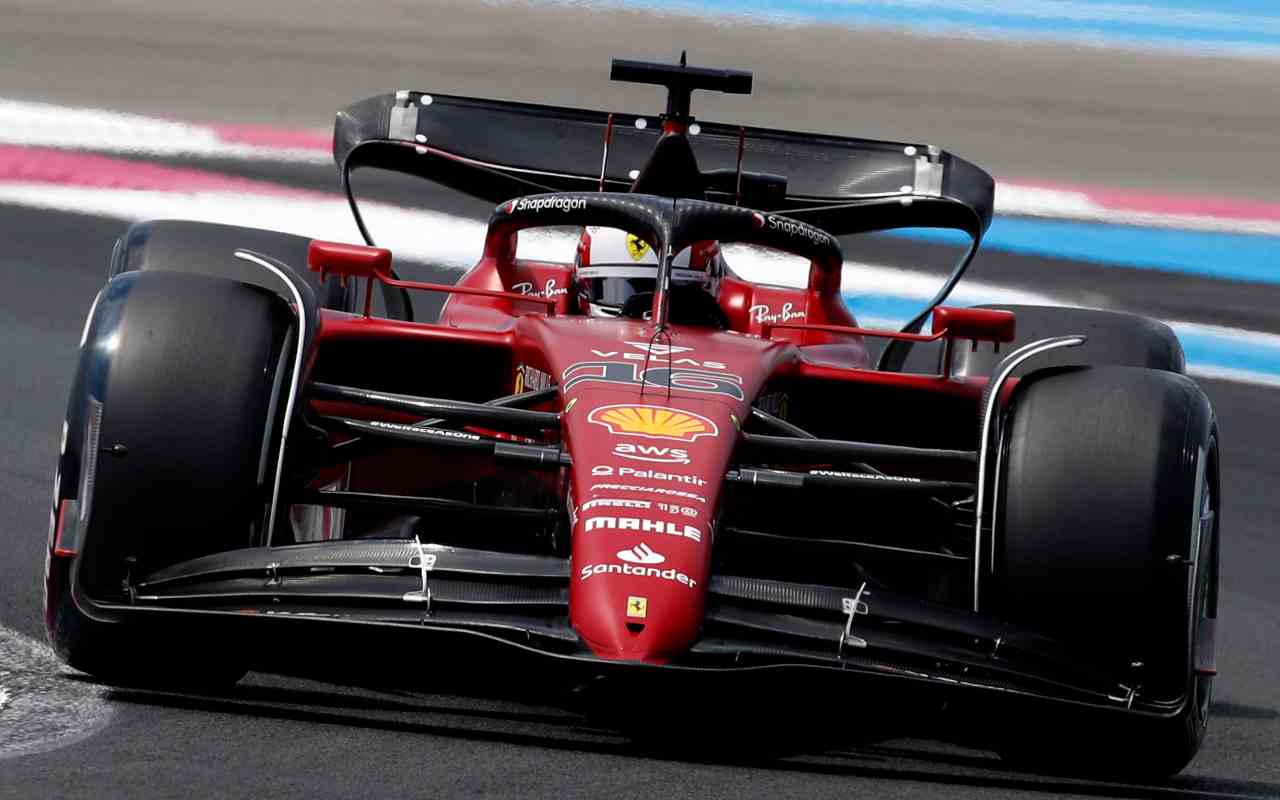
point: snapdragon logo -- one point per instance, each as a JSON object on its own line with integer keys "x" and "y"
{"x": 791, "y": 228}
{"x": 557, "y": 202}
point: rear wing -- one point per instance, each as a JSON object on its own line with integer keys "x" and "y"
{"x": 497, "y": 150}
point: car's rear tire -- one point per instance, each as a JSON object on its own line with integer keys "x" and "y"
{"x": 182, "y": 373}
{"x": 1114, "y": 338}
{"x": 1107, "y": 539}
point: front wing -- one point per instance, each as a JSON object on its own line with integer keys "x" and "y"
{"x": 402, "y": 588}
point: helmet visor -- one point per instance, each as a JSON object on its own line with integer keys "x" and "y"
{"x": 614, "y": 291}
{"x": 614, "y": 284}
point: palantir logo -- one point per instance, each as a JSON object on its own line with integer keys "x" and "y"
{"x": 641, "y": 554}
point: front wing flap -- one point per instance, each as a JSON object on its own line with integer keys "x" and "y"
{"x": 522, "y": 600}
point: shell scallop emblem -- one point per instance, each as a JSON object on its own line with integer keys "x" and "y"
{"x": 653, "y": 422}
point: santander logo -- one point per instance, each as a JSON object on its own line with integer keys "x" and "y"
{"x": 641, "y": 554}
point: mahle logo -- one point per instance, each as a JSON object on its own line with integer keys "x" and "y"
{"x": 642, "y": 525}
{"x": 653, "y": 422}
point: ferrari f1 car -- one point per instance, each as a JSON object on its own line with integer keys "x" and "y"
{"x": 642, "y": 463}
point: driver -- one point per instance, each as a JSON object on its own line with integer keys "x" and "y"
{"x": 616, "y": 272}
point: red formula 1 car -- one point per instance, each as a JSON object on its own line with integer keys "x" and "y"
{"x": 639, "y": 463}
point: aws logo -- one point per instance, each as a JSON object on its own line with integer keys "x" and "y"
{"x": 653, "y": 422}
{"x": 652, "y": 452}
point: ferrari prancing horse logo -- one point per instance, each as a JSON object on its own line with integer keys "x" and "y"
{"x": 637, "y": 248}
{"x": 637, "y": 607}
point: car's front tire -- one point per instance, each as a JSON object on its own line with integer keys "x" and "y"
{"x": 1107, "y": 539}
{"x": 169, "y": 439}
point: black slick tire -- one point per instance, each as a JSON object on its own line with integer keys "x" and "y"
{"x": 1107, "y": 539}
{"x": 1114, "y": 338}
{"x": 182, "y": 373}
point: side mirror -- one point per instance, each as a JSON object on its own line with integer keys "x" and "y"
{"x": 374, "y": 264}
{"x": 977, "y": 324}
{"x": 354, "y": 260}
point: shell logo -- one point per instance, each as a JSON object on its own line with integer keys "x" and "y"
{"x": 653, "y": 422}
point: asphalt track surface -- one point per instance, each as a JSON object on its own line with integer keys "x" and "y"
{"x": 1048, "y": 112}
{"x": 285, "y": 737}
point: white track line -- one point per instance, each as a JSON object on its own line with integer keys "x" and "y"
{"x": 41, "y": 706}
{"x": 47, "y": 125}
{"x": 32, "y": 124}
{"x": 1079, "y": 205}
{"x": 432, "y": 237}
{"x": 1253, "y": 377}
{"x": 456, "y": 242}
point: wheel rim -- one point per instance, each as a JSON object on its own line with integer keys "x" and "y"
{"x": 1205, "y": 589}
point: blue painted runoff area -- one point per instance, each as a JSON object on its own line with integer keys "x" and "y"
{"x": 1230, "y": 256}
{"x": 1205, "y": 349}
{"x": 1246, "y": 27}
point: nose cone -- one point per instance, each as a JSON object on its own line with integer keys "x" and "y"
{"x": 640, "y": 603}
{"x": 646, "y": 479}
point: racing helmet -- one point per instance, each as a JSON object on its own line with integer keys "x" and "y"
{"x": 612, "y": 267}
